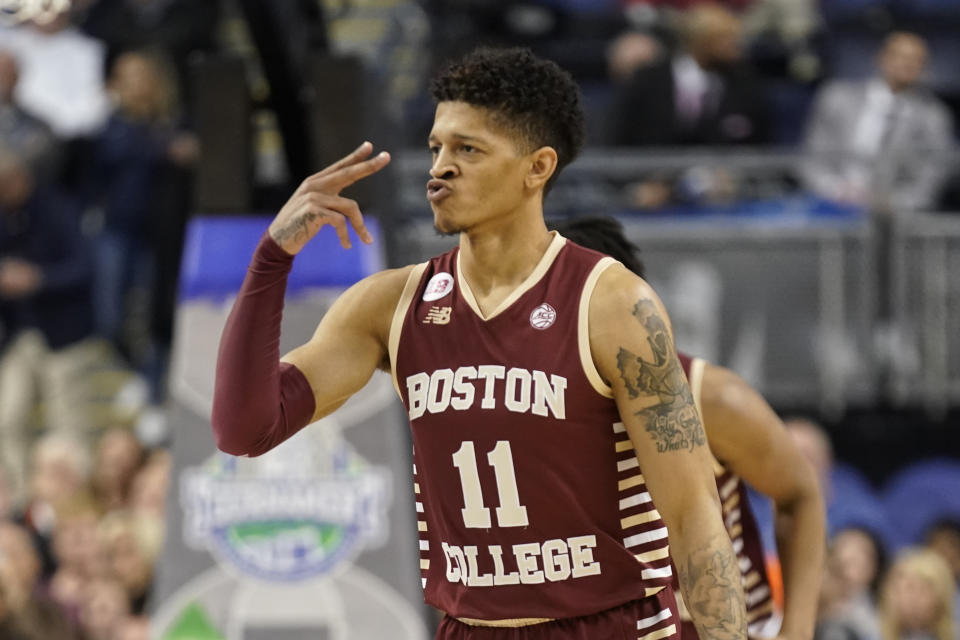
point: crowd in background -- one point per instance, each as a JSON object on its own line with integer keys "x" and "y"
{"x": 97, "y": 154}
{"x": 893, "y": 561}
{"x": 77, "y": 557}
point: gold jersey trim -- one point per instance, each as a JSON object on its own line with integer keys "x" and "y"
{"x": 660, "y": 633}
{"x": 583, "y": 329}
{"x": 399, "y": 314}
{"x": 509, "y": 622}
{"x": 546, "y": 261}
{"x": 526, "y": 622}
{"x": 698, "y": 367}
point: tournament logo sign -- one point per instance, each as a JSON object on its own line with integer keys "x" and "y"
{"x": 291, "y": 515}
{"x": 285, "y": 530}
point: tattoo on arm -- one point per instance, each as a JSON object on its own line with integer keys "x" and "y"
{"x": 296, "y": 229}
{"x": 672, "y": 421}
{"x": 712, "y": 593}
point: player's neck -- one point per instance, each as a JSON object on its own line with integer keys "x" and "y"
{"x": 497, "y": 260}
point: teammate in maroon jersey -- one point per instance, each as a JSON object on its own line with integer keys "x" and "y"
{"x": 747, "y": 436}
{"x": 555, "y": 436}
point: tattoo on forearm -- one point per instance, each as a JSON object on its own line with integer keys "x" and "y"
{"x": 672, "y": 422}
{"x": 296, "y": 230}
{"x": 713, "y": 594}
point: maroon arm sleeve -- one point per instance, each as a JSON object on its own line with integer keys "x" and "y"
{"x": 258, "y": 402}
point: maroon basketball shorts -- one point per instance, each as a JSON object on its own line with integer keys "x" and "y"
{"x": 653, "y": 618}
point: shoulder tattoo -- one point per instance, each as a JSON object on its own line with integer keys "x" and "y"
{"x": 672, "y": 419}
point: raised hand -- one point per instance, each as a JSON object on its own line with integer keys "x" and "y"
{"x": 317, "y": 202}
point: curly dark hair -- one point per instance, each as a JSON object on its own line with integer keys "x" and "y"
{"x": 532, "y": 97}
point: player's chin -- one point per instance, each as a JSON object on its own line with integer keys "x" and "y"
{"x": 444, "y": 223}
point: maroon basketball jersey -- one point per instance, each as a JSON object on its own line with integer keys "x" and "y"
{"x": 740, "y": 523}
{"x": 530, "y": 500}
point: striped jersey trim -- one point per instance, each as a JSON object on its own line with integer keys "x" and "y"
{"x": 652, "y": 620}
{"x": 759, "y": 599}
{"x": 644, "y": 533}
{"x": 659, "y": 634}
{"x": 662, "y": 624}
{"x": 422, "y": 531}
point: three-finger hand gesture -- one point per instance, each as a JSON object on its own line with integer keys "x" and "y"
{"x": 317, "y": 202}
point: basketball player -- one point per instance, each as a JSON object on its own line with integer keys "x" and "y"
{"x": 548, "y": 408}
{"x": 747, "y": 436}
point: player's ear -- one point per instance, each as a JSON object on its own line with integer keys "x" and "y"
{"x": 543, "y": 164}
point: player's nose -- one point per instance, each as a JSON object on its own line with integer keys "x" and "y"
{"x": 442, "y": 173}
{"x": 442, "y": 168}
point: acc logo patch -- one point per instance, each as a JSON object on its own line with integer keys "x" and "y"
{"x": 543, "y": 316}
{"x": 440, "y": 285}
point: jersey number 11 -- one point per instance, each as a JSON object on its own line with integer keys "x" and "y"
{"x": 510, "y": 513}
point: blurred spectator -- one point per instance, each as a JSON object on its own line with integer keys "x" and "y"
{"x": 148, "y": 493}
{"x": 118, "y": 458}
{"x": 879, "y": 142}
{"x": 60, "y": 468}
{"x": 132, "y": 628}
{"x": 943, "y": 537}
{"x": 814, "y": 444}
{"x": 6, "y": 495}
{"x": 629, "y": 52}
{"x": 19, "y": 553}
{"x": 26, "y": 613}
{"x": 61, "y": 78}
{"x": 704, "y": 94}
{"x": 12, "y": 601}
{"x": 178, "y": 28}
{"x": 45, "y": 314}
{"x": 66, "y": 589}
{"x": 103, "y": 608}
{"x": 847, "y": 609}
{"x": 860, "y": 557}
{"x": 851, "y": 500}
{"x": 20, "y": 132}
{"x": 918, "y": 597}
{"x": 126, "y": 183}
{"x": 77, "y": 545}
{"x": 131, "y": 545}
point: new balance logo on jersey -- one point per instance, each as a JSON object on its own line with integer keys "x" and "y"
{"x": 519, "y": 390}
{"x": 438, "y": 315}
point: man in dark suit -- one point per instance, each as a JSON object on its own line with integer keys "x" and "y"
{"x": 45, "y": 311}
{"x": 704, "y": 94}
